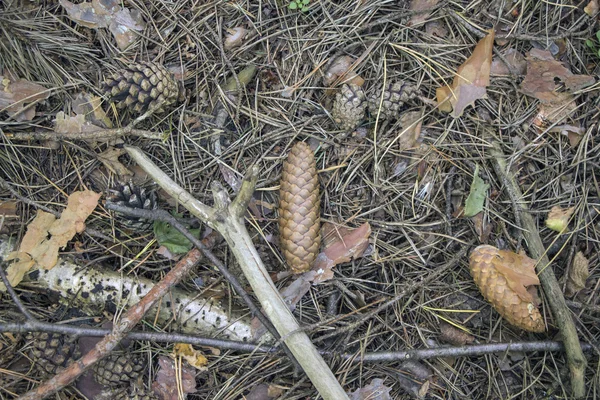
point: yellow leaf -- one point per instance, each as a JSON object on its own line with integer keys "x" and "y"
{"x": 470, "y": 80}
{"x": 558, "y": 219}
{"x": 194, "y": 357}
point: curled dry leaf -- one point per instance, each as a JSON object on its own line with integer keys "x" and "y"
{"x": 16, "y": 94}
{"x": 235, "y": 37}
{"x": 578, "y": 274}
{"x": 558, "y": 218}
{"x": 503, "y": 277}
{"x": 194, "y": 357}
{"x": 72, "y": 125}
{"x": 413, "y": 377}
{"x": 375, "y": 390}
{"x": 46, "y": 235}
{"x": 173, "y": 380}
{"x": 454, "y": 336}
{"x": 121, "y": 22}
{"x": 340, "y": 68}
{"x": 470, "y": 81}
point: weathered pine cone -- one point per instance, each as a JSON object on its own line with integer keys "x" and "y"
{"x": 349, "y": 106}
{"x": 118, "y": 369}
{"x": 53, "y": 352}
{"x": 495, "y": 289}
{"x": 141, "y": 86}
{"x": 299, "y": 209}
{"x": 134, "y": 197}
{"x": 394, "y": 96}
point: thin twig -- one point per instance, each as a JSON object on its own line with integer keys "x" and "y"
{"x": 563, "y": 319}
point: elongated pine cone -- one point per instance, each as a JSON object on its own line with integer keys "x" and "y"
{"x": 53, "y": 352}
{"x": 349, "y": 106}
{"x": 141, "y": 86}
{"x": 494, "y": 287}
{"x": 299, "y": 209}
{"x": 394, "y": 96}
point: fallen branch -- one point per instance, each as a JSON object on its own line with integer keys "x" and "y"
{"x": 462, "y": 351}
{"x": 120, "y": 330}
{"x": 554, "y": 295}
{"x": 227, "y": 218}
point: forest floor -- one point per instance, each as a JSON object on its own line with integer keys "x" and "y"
{"x": 408, "y": 176}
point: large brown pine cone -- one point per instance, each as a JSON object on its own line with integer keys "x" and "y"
{"x": 118, "y": 369}
{"x": 299, "y": 209}
{"x": 53, "y": 352}
{"x": 495, "y": 289}
{"x": 349, "y": 106}
{"x": 141, "y": 86}
{"x": 394, "y": 96}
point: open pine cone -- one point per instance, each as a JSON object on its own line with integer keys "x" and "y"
{"x": 395, "y": 95}
{"x": 141, "y": 86}
{"x": 135, "y": 197}
{"x": 349, "y": 106}
{"x": 53, "y": 352}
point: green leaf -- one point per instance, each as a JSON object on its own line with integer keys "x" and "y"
{"x": 172, "y": 239}
{"x": 304, "y": 9}
{"x": 598, "y": 52}
{"x": 293, "y": 5}
{"x": 474, "y": 203}
{"x": 590, "y": 44}
{"x": 598, "y": 35}
{"x": 306, "y": 2}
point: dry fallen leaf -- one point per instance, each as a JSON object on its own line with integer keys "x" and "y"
{"x": 194, "y": 357}
{"x": 413, "y": 377}
{"x": 37, "y": 249}
{"x": 341, "y": 245}
{"x": 235, "y": 37}
{"x": 411, "y": 123}
{"x": 422, "y": 9}
{"x": 16, "y": 94}
{"x": 72, "y": 125}
{"x": 375, "y": 390}
{"x": 470, "y": 81}
{"x": 110, "y": 159}
{"x": 340, "y": 67}
{"x": 91, "y": 107}
{"x": 454, "y": 336}
{"x": 514, "y": 58}
{"x": 173, "y": 380}
{"x": 8, "y": 209}
{"x": 558, "y": 218}
{"x": 592, "y": 8}
{"x": 544, "y": 75}
{"x": 578, "y": 274}
{"x": 121, "y": 22}
{"x": 519, "y": 272}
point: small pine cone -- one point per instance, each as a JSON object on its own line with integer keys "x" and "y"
{"x": 495, "y": 289}
{"x": 132, "y": 196}
{"x": 141, "y": 86}
{"x": 349, "y": 107}
{"x": 395, "y": 95}
{"x": 299, "y": 209}
{"x": 53, "y": 352}
{"x": 118, "y": 369}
